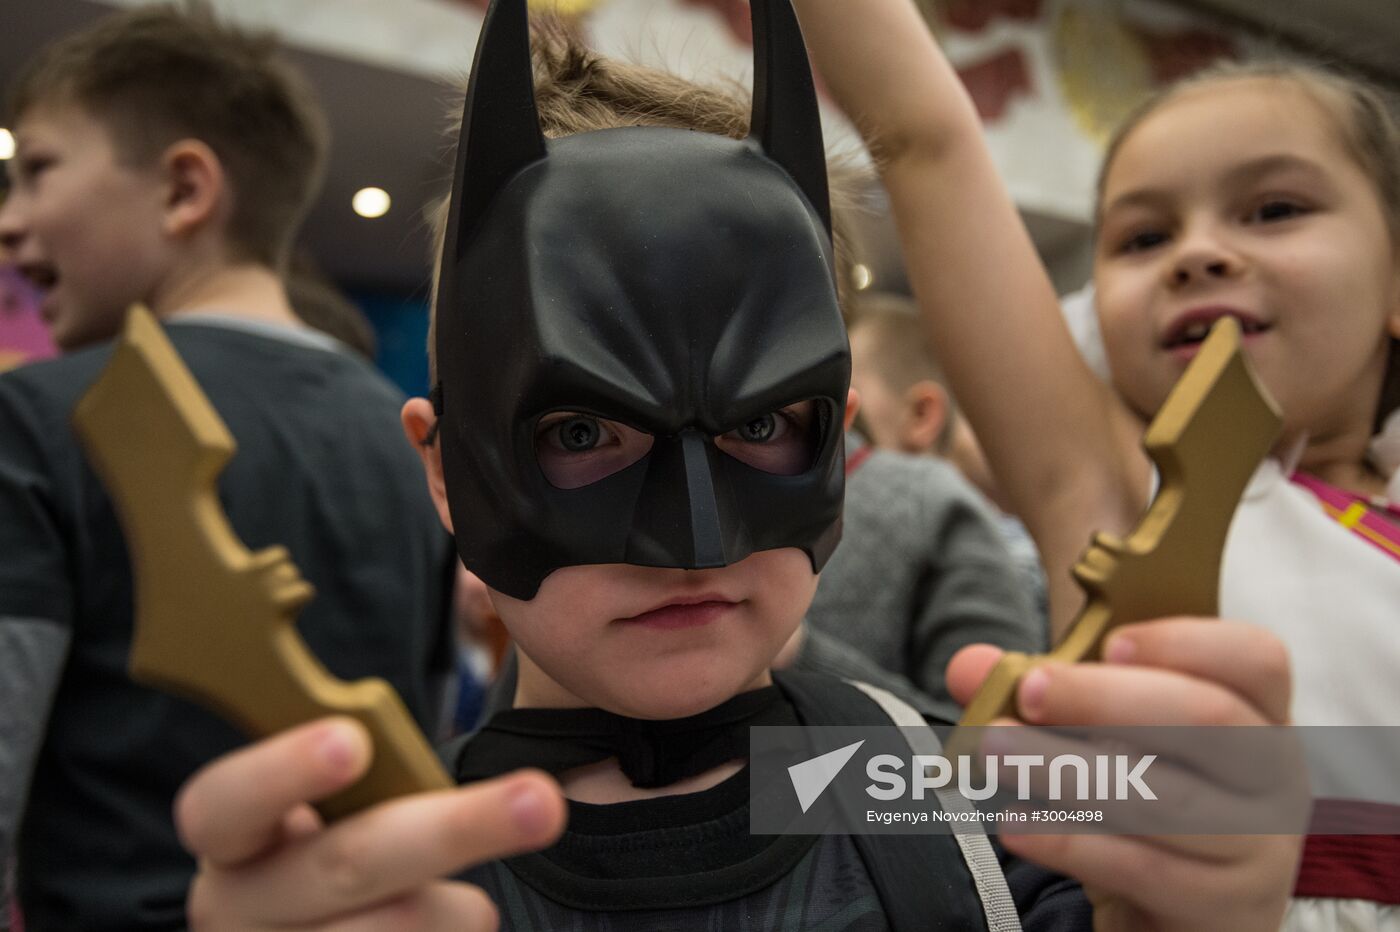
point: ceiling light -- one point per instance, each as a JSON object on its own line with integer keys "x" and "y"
{"x": 371, "y": 202}
{"x": 863, "y": 277}
{"x": 7, "y": 144}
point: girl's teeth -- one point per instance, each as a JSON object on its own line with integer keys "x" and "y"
{"x": 1196, "y": 332}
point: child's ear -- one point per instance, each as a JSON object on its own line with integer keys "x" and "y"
{"x": 926, "y": 411}
{"x": 852, "y": 407}
{"x": 1392, "y": 320}
{"x": 196, "y": 187}
{"x": 418, "y": 422}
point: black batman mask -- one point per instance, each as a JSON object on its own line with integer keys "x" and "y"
{"x": 640, "y": 354}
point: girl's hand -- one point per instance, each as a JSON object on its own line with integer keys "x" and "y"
{"x": 1178, "y": 671}
{"x": 266, "y": 861}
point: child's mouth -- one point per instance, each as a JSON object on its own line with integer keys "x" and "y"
{"x": 1191, "y": 330}
{"x": 44, "y": 278}
{"x": 682, "y": 614}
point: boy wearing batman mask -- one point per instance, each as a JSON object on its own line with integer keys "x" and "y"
{"x": 643, "y": 375}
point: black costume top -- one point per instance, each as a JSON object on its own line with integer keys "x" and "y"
{"x": 690, "y": 862}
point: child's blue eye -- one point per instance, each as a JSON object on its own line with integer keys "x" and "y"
{"x": 579, "y": 434}
{"x": 783, "y": 442}
{"x": 759, "y": 429}
{"x": 576, "y": 449}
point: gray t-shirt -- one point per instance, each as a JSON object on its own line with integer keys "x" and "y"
{"x": 920, "y": 572}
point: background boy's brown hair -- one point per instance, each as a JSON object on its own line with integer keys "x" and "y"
{"x": 154, "y": 75}
{"x": 578, "y": 91}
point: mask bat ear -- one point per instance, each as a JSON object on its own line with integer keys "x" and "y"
{"x": 500, "y": 126}
{"x": 786, "y": 121}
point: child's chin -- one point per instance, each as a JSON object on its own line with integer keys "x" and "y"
{"x": 679, "y": 696}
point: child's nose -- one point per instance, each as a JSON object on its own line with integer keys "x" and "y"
{"x": 11, "y": 227}
{"x": 1185, "y": 272}
{"x": 1201, "y": 258}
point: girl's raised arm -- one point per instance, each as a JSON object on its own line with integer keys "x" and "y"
{"x": 1057, "y": 438}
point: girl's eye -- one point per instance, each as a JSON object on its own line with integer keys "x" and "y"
{"x": 783, "y": 443}
{"x": 1142, "y": 241}
{"x": 1276, "y": 210}
{"x": 576, "y": 449}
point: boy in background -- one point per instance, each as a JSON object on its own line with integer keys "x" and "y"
{"x": 906, "y": 406}
{"x": 164, "y": 159}
{"x": 922, "y": 570}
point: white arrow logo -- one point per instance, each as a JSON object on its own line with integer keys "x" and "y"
{"x": 811, "y": 777}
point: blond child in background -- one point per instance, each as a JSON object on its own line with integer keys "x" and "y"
{"x": 906, "y": 405}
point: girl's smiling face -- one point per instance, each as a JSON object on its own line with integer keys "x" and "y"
{"x": 1241, "y": 197}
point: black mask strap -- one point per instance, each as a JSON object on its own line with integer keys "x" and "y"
{"x": 651, "y": 753}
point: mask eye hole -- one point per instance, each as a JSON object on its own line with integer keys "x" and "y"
{"x": 783, "y": 442}
{"x": 575, "y": 449}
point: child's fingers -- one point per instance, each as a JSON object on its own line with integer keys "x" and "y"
{"x": 440, "y": 907}
{"x": 1231, "y": 655}
{"x": 1183, "y": 788}
{"x": 1242, "y": 657}
{"x": 1109, "y": 863}
{"x": 968, "y": 668}
{"x": 1247, "y": 893}
{"x": 236, "y": 807}
{"x": 1106, "y": 694}
{"x": 390, "y": 850}
{"x": 450, "y": 907}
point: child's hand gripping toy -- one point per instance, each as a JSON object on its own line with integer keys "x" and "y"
{"x": 1206, "y": 441}
{"x": 213, "y": 620}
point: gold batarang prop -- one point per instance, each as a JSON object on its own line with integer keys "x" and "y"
{"x": 214, "y": 622}
{"x": 1207, "y": 440}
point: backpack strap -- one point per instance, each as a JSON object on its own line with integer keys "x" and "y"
{"x": 977, "y": 851}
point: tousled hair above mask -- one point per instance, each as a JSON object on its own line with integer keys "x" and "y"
{"x": 676, "y": 282}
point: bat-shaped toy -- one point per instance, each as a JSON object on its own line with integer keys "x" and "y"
{"x": 1215, "y": 427}
{"x": 214, "y": 622}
